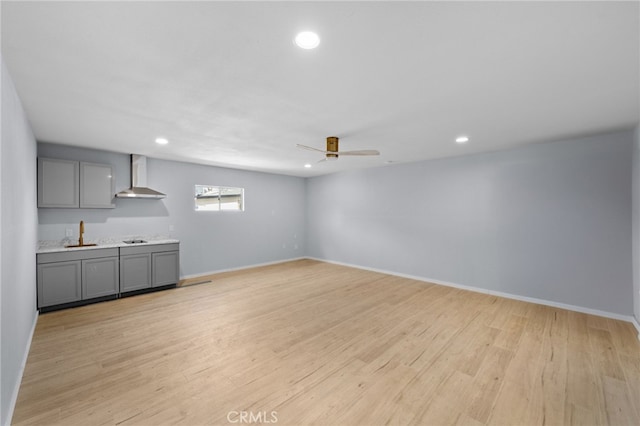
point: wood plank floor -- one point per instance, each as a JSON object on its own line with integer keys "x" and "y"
{"x": 307, "y": 342}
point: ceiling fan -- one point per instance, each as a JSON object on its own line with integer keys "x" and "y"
{"x": 332, "y": 152}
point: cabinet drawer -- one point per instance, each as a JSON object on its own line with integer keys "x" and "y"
{"x": 75, "y": 254}
{"x": 151, "y": 248}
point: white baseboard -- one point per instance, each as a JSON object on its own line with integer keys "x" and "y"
{"x": 553, "y": 304}
{"x": 635, "y": 323}
{"x": 240, "y": 268}
{"x": 23, "y": 364}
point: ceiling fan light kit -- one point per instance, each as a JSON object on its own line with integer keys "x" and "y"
{"x": 332, "y": 146}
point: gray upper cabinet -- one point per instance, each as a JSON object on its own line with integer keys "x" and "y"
{"x": 97, "y": 186}
{"x": 75, "y": 184}
{"x": 58, "y": 183}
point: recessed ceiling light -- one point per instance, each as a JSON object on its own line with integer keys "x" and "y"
{"x": 308, "y": 166}
{"x": 307, "y": 40}
{"x": 462, "y": 139}
{"x": 161, "y": 141}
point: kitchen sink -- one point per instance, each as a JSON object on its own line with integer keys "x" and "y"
{"x": 80, "y": 245}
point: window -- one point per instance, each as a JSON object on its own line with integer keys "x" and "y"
{"x": 218, "y": 198}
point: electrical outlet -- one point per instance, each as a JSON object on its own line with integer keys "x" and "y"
{"x": 68, "y": 232}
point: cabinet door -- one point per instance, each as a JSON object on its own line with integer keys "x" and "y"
{"x": 135, "y": 272}
{"x": 99, "y": 277}
{"x": 58, "y": 183}
{"x": 97, "y": 186}
{"x": 59, "y": 282}
{"x": 165, "y": 268}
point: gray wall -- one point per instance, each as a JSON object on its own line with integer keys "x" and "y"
{"x": 550, "y": 221}
{"x": 18, "y": 227}
{"x": 272, "y": 227}
{"x": 3, "y": 405}
{"x": 636, "y": 222}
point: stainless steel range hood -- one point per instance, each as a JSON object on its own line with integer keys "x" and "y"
{"x": 139, "y": 187}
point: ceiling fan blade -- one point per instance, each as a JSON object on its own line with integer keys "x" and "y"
{"x": 361, "y": 152}
{"x": 310, "y": 148}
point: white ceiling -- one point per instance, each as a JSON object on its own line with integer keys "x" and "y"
{"x": 225, "y": 84}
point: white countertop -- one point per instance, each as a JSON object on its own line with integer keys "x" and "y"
{"x": 50, "y": 246}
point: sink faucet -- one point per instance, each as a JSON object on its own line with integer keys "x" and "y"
{"x": 81, "y": 239}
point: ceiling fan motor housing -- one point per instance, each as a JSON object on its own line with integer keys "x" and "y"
{"x": 332, "y": 145}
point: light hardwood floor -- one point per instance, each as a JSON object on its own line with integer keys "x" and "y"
{"x": 307, "y": 342}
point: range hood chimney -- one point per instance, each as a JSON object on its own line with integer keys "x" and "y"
{"x": 139, "y": 181}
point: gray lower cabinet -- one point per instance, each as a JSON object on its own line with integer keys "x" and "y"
{"x": 149, "y": 266}
{"x": 165, "y": 268}
{"x": 72, "y": 276}
{"x": 100, "y": 277}
{"x": 135, "y": 271}
{"x": 59, "y": 282}
{"x": 86, "y": 274}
